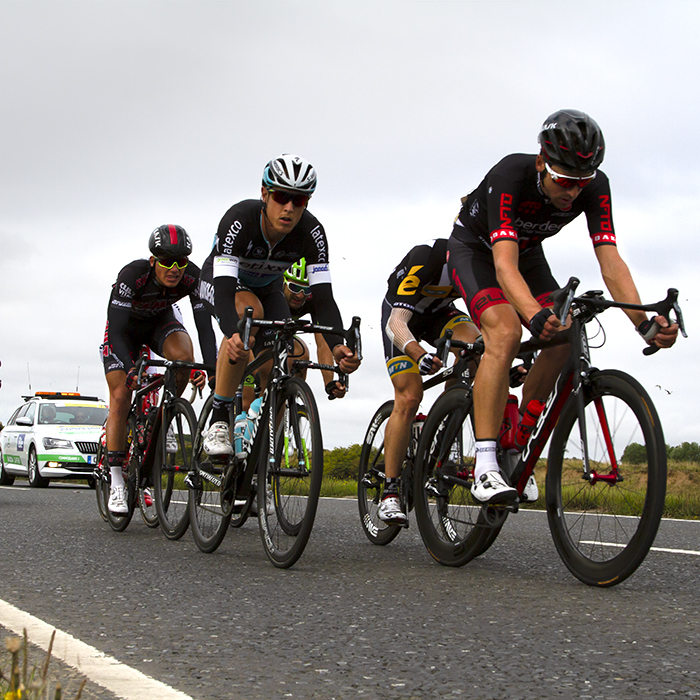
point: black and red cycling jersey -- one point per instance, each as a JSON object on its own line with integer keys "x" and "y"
{"x": 510, "y": 204}
{"x": 242, "y": 254}
{"x": 137, "y": 298}
{"x": 420, "y": 281}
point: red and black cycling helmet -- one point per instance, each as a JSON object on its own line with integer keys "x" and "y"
{"x": 170, "y": 241}
{"x": 572, "y": 140}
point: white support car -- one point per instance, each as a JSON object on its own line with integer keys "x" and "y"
{"x": 52, "y": 436}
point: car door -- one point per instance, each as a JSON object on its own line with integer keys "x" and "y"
{"x": 12, "y": 439}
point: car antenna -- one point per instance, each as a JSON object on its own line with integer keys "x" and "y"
{"x": 29, "y": 379}
{"x": 77, "y": 381}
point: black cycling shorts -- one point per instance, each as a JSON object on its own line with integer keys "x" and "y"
{"x": 148, "y": 331}
{"x": 473, "y": 274}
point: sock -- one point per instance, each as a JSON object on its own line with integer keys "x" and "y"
{"x": 485, "y": 458}
{"x": 391, "y": 487}
{"x": 220, "y": 408}
{"x": 115, "y": 460}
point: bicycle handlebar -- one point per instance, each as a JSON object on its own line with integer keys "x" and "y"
{"x": 564, "y": 298}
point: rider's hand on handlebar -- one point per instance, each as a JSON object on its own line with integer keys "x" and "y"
{"x": 198, "y": 378}
{"x": 666, "y": 334}
{"x": 345, "y": 358}
{"x": 132, "y": 380}
{"x": 235, "y": 349}
{"x": 428, "y": 363}
{"x": 544, "y": 325}
{"x": 335, "y": 389}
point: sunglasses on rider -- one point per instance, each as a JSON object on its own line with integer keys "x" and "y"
{"x": 169, "y": 263}
{"x": 567, "y": 181}
{"x": 298, "y": 289}
{"x": 298, "y": 200}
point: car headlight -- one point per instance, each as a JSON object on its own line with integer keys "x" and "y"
{"x": 56, "y": 443}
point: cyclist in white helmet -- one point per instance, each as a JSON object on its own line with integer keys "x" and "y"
{"x": 257, "y": 240}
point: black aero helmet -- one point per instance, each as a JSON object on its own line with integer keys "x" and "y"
{"x": 291, "y": 173}
{"x": 170, "y": 241}
{"x": 573, "y": 140}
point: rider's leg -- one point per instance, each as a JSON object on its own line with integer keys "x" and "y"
{"x": 178, "y": 346}
{"x": 115, "y": 435}
{"x": 543, "y": 374}
{"x": 500, "y": 326}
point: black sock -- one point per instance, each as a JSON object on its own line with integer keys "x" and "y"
{"x": 220, "y": 409}
{"x": 391, "y": 487}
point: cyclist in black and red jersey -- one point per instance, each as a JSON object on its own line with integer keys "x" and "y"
{"x": 497, "y": 262}
{"x": 257, "y": 240}
{"x": 419, "y": 306}
{"x": 140, "y": 312}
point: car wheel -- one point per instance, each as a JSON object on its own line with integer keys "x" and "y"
{"x": 33, "y": 475}
{"x": 5, "y": 478}
{"x": 91, "y": 482}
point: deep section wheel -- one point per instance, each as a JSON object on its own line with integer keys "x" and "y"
{"x": 603, "y": 523}
{"x": 452, "y": 526}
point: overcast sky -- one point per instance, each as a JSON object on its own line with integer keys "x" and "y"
{"x": 117, "y": 117}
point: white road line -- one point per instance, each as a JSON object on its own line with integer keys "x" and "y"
{"x": 125, "y": 682}
{"x": 653, "y": 549}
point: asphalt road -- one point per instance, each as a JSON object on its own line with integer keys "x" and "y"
{"x": 351, "y": 620}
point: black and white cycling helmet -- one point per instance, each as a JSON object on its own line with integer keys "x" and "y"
{"x": 291, "y": 173}
{"x": 170, "y": 241}
{"x": 573, "y": 140}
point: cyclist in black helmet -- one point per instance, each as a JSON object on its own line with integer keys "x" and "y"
{"x": 497, "y": 263}
{"x": 257, "y": 240}
{"x": 140, "y": 312}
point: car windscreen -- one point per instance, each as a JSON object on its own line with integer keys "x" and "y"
{"x": 72, "y": 414}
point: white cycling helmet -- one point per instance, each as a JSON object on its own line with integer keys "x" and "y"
{"x": 291, "y": 173}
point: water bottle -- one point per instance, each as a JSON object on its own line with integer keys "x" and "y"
{"x": 240, "y": 440}
{"x": 509, "y": 427}
{"x": 532, "y": 413}
{"x": 416, "y": 428}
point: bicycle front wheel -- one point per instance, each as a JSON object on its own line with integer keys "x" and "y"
{"x": 208, "y": 519}
{"x": 290, "y": 484}
{"x": 604, "y": 523}
{"x": 101, "y": 472}
{"x": 370, "y": 480}
{"x": 172, "y": 463}
{"x": 451, "y": 525}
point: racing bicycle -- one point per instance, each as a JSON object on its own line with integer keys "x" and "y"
{"x": 604, "y": 503}
{"x": 285, "y": 458}
{"x": 159, "y": 451}
{"x": 370, "y": 482}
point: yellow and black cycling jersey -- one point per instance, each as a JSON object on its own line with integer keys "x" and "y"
{"x": 420, "y": 281}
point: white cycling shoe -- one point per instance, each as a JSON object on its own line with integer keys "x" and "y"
{"x": 117, "y": 500}
{"x": 390, "y": 511}
{"x": 530, "y": 493}
{"x": 217, "y": 440}
{"x": 492, "y": 488}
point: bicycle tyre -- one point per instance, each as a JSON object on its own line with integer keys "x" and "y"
{"x": 370, "y": 480}
{"x": 295, "y": 478}
{"x": 452, "y": 527}
{"x": 170, "y": 468}
{"x": 101, "y": 471}
{"x": 603, "y": 531}
{"x": 119, "y": 522}
{"x": 208, "y": 520}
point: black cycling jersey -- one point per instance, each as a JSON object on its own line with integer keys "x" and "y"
{"x": 138, "y": 298}
{"x": 510, "y": 204}
{"x": 241, "y": 253}
{"x": 420, "y": 281}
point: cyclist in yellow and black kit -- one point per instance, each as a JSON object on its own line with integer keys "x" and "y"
{"x": 419, "y": 306}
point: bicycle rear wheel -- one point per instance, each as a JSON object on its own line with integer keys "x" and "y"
{"x": 208, "y": 519}
{"x": 451, "y": 525}
{"x": 172, "y": 463}
{"x": 603, "y": 527}
{"x": 370, "y": 480}
{"x": 294, "y": 478}
{"x": 119, "y": 522}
